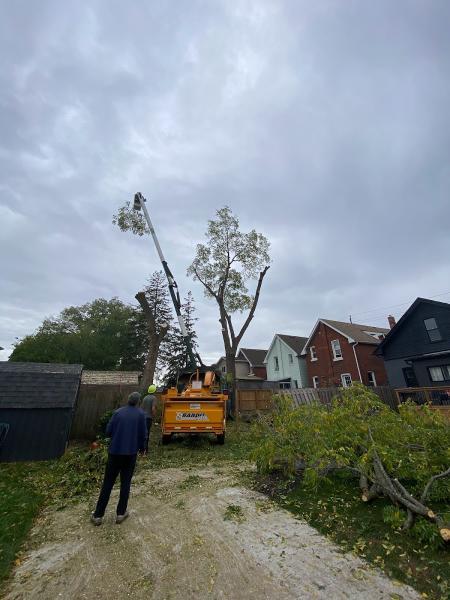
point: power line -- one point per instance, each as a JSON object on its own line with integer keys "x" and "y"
{"x": 396, "y": 305}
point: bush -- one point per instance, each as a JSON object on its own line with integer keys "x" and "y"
{"x": 404, "y": 456}
{"x": 103, "y": 422}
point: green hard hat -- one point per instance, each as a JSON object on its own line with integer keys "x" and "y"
{"x": 152, "y": 388}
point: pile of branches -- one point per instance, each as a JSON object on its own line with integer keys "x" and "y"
{"x": 402, "y": 456}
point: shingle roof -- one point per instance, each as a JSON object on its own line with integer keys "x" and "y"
{"x": 110, "y": 377}
{"x": 38, "y": 385}
{"x": 255, "y": 356}
{"x": 294, "y": 341}
{"x": 356, "y": 331}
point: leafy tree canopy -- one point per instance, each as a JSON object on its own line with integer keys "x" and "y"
{"x": 102, "y": 334}
{"x": 228, "y": 259}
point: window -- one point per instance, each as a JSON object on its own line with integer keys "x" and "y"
{"x": 285, "y": 385}
{"x": 433, "y": 330}
{"x": 336, "y": 347}
{"x": 315, "y": 381}
{"x": 291, "y": 359}
{"x": 410, "y": 377}
{"x": 224, "y": 369}
{"x": 277, "y": 364}
{"x": 371, "y": 379}
{"x": 346, "y": 379}
{"x": 441, "y": 373}
{"x": 313, "y": 353}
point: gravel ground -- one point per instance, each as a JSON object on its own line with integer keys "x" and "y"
{"x": 191, "y": 534}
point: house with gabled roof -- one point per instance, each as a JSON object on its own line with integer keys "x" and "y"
{"x": 249, "y": 364}
{"x": 339, "y": 353}
{"x": 285, "y": 363}
{"x": 416, "y": 351}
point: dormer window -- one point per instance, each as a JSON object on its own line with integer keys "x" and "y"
{"x": 433, "y": 330}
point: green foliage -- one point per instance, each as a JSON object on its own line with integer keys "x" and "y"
{"x": 172, "y": 356}
{"x": 412, "y": 444}
{"x": 102, "y": 334}
{"x": 19, "y": 505}
{"x": 103, "y": 422}
{"x": 394, "y": 516}
{"x": 74, "y": 476}
{"x": 128, "y": 219}
{"x": 426, "y": 534}
{"x": 234, "y": 512}
{"x": 228, "y": 259}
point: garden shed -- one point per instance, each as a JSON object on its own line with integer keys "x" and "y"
{"x": 37, "y": 404}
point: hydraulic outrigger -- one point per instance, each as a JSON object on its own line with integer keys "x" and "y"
{"x": 200, "y": 407}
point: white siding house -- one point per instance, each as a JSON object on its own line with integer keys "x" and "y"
{"x": 284, "y": 362}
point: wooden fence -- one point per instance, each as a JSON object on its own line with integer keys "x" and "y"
{"x": 437, "y": 397}
{"x": 93, "y": 402}
{"x": 261, "y": 400}
{"x": 326, "y": 395}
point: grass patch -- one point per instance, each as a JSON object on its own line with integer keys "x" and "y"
{"x": 193, "y": 450}
{"x": 234, "y": 512}
{"x": 337, "y": 511}
{"x": 189, "y": 482}
{"x": 26, "y": 487}
{"x": 19, "y": 505}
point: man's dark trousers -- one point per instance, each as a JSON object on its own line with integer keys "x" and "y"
{"x": 122, "y": 464}
{"x": 148, "y": 423}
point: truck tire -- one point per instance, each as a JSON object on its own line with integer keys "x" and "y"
{"x": 220, "y": 438}
{"x": 165, "y": 439}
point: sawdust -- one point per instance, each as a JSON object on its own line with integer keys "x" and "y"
{"x": 178, "y": 545}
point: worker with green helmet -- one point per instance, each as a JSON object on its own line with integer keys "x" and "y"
{"x": 148, "y": 405}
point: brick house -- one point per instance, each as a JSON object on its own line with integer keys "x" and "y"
{"x": 339, "y": 353}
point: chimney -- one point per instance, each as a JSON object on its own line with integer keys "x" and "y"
{"x": 391, "y": 320}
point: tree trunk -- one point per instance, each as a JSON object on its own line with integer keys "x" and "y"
{"x": 154, "y": 341}
{"x": 231, "y": 380}
{"x": 150, "y": 363}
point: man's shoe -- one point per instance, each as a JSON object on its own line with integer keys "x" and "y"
{"x": 121, "y": 518}
{"x": 96, "y": 520}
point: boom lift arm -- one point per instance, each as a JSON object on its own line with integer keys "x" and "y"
{"x": 139, "y": 202}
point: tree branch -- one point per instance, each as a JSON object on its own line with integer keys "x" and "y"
{"x": 208, "y": 287}
{"x": 431, "y": 481}
{"x": 253, "y": 307}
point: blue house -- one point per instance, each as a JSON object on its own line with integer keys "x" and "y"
{"x": 284, "y": 362}
{"x": 416, "y": 351}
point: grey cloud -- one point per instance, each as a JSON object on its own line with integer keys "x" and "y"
{"x": 323, "y": 125}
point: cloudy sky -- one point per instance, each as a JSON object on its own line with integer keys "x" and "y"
{"x": 324, "y": 125}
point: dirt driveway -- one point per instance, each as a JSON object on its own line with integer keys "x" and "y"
{"x": 191, "y": 534}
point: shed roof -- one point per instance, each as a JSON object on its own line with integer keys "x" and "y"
{"x": 111, "y": 377}
{"x": 38, "y": 385}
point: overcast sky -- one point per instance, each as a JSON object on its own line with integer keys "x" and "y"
{"x": 324, "y": 125}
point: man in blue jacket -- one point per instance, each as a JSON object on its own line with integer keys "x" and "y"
{"x": 127, "y": 430}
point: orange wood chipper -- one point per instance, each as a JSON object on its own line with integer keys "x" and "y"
{"x": 200, "y": 407}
